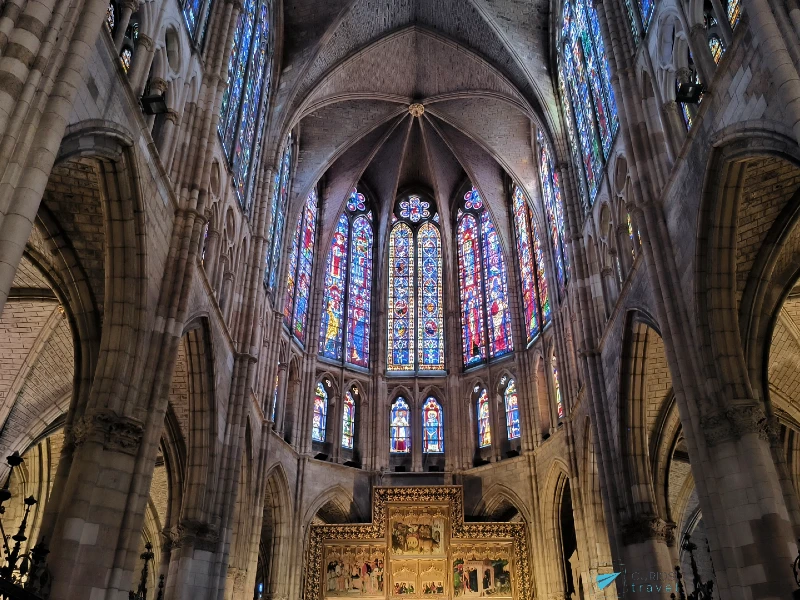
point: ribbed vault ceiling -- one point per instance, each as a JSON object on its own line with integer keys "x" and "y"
{"x": 350, "y": 69}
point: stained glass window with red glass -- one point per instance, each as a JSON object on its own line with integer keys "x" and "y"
{"x": 432, "y": 427}
{"x": 400, "y": 428}
{"x": 415, "y": 312}
{"x": 347, "y": 295}
{"x": 483, "y": 284}
{"x": 298, "y": 281}
{"x": 535, "y": 295}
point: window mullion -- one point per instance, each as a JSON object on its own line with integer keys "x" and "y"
{"x": 346, "y": 295}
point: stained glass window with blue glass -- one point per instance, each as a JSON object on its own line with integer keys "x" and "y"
{"x": 348, "y": 420}
{"x": 400, "y": 428}
{"x": 243, "y": 108}
{"x": 196, "y": 14}
{"x": 432, "y": 427}
{"x": 535, "y": 296}
{"x": 483, "y": 284}
{"x": 512, "y": 410}
{"x": 298, "y": 280}
{"x": 587, "y": 85}
{"x": 347, "y": 295}
{"x": 320, "y": 417}
{"x": 415, "y": 311}
{"x": 280, "y": 196}
{"x": 554, "y": 208}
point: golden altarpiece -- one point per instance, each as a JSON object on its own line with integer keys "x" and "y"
{"x": 418, "y": 546}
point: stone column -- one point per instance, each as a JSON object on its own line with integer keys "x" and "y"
{"x": 646, "y": 542}
{"x": 277, "y": 405}
{"x": 142, "y": 59}
{"x": 126, "y": 9}
{"x": 334, "y": 438}
{"x": 191, "y": 545}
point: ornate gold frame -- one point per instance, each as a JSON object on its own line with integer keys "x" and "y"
{"x": 375, "y": 532}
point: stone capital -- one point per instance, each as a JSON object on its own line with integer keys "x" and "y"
{"x": 145, "y": 41}
{"x": 115, "y": 433}
{"x": 646, "y": 528}
{"x": 197, "y": 534}
{"x": 737, "y": 421}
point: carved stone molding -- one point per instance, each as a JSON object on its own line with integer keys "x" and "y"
{"x": 736, "y": 422}
{"x": 196, "y": 534}
{"x": 115, "y": 433}
{"x": 644, "y": 529}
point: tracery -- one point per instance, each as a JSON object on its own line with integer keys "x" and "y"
{"x": 485, "y": 313}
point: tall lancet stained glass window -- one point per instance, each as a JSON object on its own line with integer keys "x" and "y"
{"x": 557, "y": 387}
{"x": 277, "y": 214}
{"x": 348, "y": 420}
{"x": 298, "y": 280}
{"x": 347, "y": 296}
{"x": 400, "y": 427}
{"x": 483, "y": 284}
{"x": 535, "y": 293}
{"x": 243, "y": 109}
{"x": 415, "y": 314}
{"x": 484, "y": 419}
{"x": 196, "y": 14}
{"x": 554, "y": 208}
{"x": 320, "y": 417}
{"x": 512, "y": 410}
{"x": 432, "y": 427}
{"x": 587, "y": 87}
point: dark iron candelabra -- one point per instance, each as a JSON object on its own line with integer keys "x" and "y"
{"x": 22, "y": 570}
{"x": 702, "y": 590}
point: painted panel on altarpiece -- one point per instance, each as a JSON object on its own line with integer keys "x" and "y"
{"x": 355, "y": 570}
{"x": 418, "y": 531}
{"x": 482, "y": 570}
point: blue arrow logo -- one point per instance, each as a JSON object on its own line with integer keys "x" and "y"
{"x": 605, "y": 580}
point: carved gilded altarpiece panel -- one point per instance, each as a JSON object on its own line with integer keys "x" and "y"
{"x": 418, "y": 546}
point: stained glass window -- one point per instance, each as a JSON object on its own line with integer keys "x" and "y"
{"x": 531, "y": 267}
{"x": 734, "y": 12}
{"x": 483, "y": 284}
{"x": 632, "y": 21}
{"x": 348, "y": 285}
{"x": 554, "y": 208}
{"x": 401, "y": 299}
{"x": 415, "y": 312}
{"x": 587, "y": 87}
{"x": 298, "y": 280}
{"x": 280, "y": 195}
{"x": 472, "y": 306}
{"x": 275, "y": 400}
{"x": 348, "y": 421}
{"x": 557, "y": 388}
{"x": 196, "y": 14}
{"x": 111, "y": 16}
{"x": 333, "y": 300}
{"x": 320, "y": 413}
{"x": 432, "y": 427}
{"x": 630, "y": 236}
{"x": 125, "y": 58}
{"x": 430, "y": 318}
{"x": 242, "y": 114}
{"x": 717, "y": 47}
{"x": 484, "y": 418}
{"x": 400, "y": 428}
{"x": 646, "y": 10}
{"x": 512, "y": 410}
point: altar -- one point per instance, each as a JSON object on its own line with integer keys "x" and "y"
{"x": 418, "y": 546}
